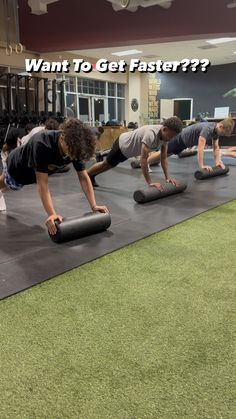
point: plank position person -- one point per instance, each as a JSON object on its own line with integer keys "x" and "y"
{"x": 140, "y": 142}
{"x": 29, "y": 164}
{"x": 200, "y": 134}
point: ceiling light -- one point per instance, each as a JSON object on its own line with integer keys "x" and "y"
{"x": 231, "y": 5}
{"x": 128, "y": 52}
{"x": 220, "y": 40}
{"x": 132, "y": 5}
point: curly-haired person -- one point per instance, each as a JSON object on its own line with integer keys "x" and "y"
{"x": 30, "y": 162}
{"x": 140, "y": 142}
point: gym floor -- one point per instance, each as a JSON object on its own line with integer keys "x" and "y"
{"x": 144, "y": 332}
{"x": 29, "y": 257}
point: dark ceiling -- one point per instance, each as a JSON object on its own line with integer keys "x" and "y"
{"x": 84, "y": 24}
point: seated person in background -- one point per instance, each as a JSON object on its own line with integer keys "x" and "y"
{"x": 49, "y": 124}
{"x": 13, "y": 139}
{"x": 29, "y": 164}
{"x": 97, "y": 132}
{"x": 199, "y": 134}
{"x": 140, "y": 142}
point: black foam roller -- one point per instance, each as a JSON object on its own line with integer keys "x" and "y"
{"x": 74, "y": 228}
{"x": 187, "y": 153}
{"x": 205, "y": 174}
{"x": 151, "y": 193}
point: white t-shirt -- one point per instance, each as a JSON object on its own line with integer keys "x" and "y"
{"x": 27, "y": 137}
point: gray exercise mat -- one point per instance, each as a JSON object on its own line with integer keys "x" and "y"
{"x": 28, "y": 256}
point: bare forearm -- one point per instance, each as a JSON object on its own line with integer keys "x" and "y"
{"x": 200, "y": 157}
{"x": 46, "y": 200}
{"x": 165, "y": 168}
{"x": 87, "y": 188}
{"x": 216, "y": 154}
{"x": 144, "y": 167}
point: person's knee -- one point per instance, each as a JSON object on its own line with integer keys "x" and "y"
{"x": 2, "y": 183}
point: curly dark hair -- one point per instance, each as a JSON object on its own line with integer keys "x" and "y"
{"x": 79, "y": 139}
{"x": 173, "y": 123}
{"x": 51, "y": 124}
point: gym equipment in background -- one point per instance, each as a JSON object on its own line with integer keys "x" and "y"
{"x": 152, "y": 193}
{"x": 205, "y": 174}
{"x": 76, "y": 227}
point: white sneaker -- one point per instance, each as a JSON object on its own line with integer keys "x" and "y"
{"x": 149, "y": 169}
{"x": 2, "y": 202}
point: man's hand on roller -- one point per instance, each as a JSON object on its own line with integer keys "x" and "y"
{"x": 208, "y": 168}
{"x": 157, "y": 185}
{"x": 50, "y": 223}
{"x": 221, "y": 165}
{"x": 172, "y": 181}
{"x": 100, "y": 208}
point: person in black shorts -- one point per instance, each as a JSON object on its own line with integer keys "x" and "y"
{"x": 200, "y": 134}
{"x": 30, "y": 164}
{"x": 140, "y": 142}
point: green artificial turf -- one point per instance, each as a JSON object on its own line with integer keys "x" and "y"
{"x": 146, "y": 332}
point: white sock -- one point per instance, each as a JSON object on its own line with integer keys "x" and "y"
{"x": 2, "y": 202}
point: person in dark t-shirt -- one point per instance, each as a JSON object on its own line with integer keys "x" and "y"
{"x": 30, "y": 163}
{"x": 200, "y": 134}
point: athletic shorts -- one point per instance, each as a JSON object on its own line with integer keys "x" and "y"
{"x": 115, "y": 156}
{"x": 9, "y": 181}
{"x": 176, "y": 145}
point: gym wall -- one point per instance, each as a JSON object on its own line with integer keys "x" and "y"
{"x": 206, "y": 89}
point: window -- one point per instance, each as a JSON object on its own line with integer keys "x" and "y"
{"x": 121, "y": 109}
{"x": 71, "y": 105}
{"x": 71, "y": 84}
{"x": 120, "y": 90}
{"x": 92, "y": 87}
{"x": 111, "y": 89}
{"x": 79, "y": 85}
{"x": 92, "y": 100}
{"x": 111, "y": 108}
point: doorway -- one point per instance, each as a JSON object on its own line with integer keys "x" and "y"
{"x": 98, "y": 109}
{"x": 183, "y": 108}
{"x": 85, "y": 114}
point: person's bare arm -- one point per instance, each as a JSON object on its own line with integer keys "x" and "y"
{"x": 45, "y": 195}
{"x": 165, "y": 166}
{"x": 216, "y": 154}
{"x": 87, "y": 188}
{"x": 145, "y": 150}
{"x": 200, "y": 154}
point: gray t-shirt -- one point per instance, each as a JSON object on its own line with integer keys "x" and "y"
{"x": 191, "y": 134}
{"x": 130, "y": 143}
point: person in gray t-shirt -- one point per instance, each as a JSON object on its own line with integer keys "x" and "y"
{"x": 140, "y": 142}
{"x": 200, "y": 134}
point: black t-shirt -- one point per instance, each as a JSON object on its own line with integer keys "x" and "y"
{"x": 36, "y": 155}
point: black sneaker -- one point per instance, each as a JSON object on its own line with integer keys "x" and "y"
{"x": 93, "y": 180}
